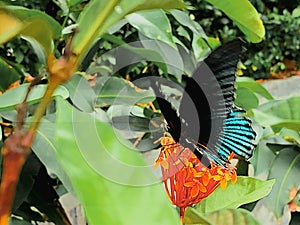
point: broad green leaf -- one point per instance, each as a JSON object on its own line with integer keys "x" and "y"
{"x": 44, "y": 148}
{"x": 233, "y": 217}
{"x": 81, "y": 93}
{"x": 130, "y": 52}
{"x": 291, "y": 136}
{"x": 262, "y": 158}
{"x": 285, "y": 169}
{"x": 119, "y": 91}
{"x": 192, "y": 216}
{"x": 279, "y": 113}
{"x": 170, "y": 55}
{"x": 111, "y": 180}
{"x": 198, "y": 33}
{"x": 153, "y": 24}
{"x": 251, "y": 84}
{"x": 34, "y": 25}
{"x": 98, "y": 16}
{"x": 245, "y": 98}
{"x": 184, "y": 19}
{"x": 8, "y": 75}
{"x": 221, "y": 217}
{"x": 244, "y": 15}
{"x": 9, "y": 99}
{"x": 244, "y": 191}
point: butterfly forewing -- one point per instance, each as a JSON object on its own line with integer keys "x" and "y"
{"x": 209, "y": 95}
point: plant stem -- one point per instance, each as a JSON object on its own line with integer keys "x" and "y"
{"x": 42, "y": 107}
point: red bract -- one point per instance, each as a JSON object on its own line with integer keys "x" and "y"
{"x": 187, "y": 181}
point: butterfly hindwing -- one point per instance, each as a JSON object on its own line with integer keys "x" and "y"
{"x": 237, "y": 136}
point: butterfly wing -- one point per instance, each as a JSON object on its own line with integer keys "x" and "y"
{"x": 237, "y": 136}
{"x": 209, "y": 95}
{"x": 170, "y": 115}
{"x": 208, "y": 122}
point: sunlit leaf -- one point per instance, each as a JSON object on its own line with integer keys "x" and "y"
{"x": 10, "y": 99}
{"x": 244, "y": 191}
{"x": 153, "y": 24}
{"x": 245, "y": 98}
{"x": 34, "y": 25}
{"x": 98, "y": 16}
{"x": 220, "y": 217}
{"x": 243, "y": 13}
{"x": 109, "y": 178}
{"x": 251, "y": 84}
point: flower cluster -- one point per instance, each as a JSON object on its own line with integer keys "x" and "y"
{"x": 187, "y": 181}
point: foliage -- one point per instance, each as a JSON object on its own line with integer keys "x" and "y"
{"x": 277, "y": 155}
{"x": 78, "y": 140}
{"x": 281, "y": 43}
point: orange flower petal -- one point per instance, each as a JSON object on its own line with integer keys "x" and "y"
{"x": 202, "y": 188}
{"x": 194, "y": 191}
{"x": 223, "y": 183}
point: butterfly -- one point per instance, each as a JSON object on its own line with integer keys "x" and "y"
{"x": 207, "y": 121}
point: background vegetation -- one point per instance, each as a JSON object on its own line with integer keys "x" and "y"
{"x": 52, "y": 169}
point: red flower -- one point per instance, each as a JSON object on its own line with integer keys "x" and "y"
{"x": 187, "y": 181}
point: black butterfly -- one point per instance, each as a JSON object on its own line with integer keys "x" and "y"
{"x": 207, "y": 121}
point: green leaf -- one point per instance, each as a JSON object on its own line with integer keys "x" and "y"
{"x": 81, "y": 93}
{"x": 251, "y": 84}
{"x": 9, "y": 99}
{"x": 98, "y": 16}
{"x": 170, "y": 55}
{"x": 44, "y": 149}
{"x": 192, "y": 216}
{"x": 296, "y": 12}
{"x": 221, "y": 217}
{"x": 119, "y": 91}
{"x": 244, "y": 15}
{"x": 244, "y": 191}
{"x": 286, "y": 170}
{"x": 262, "y": 158}
{"x": 291, "y": 136}
{"x": 153, "y": 24}
{"x": 198, "y": 33}
{"x": 279, "y": 113}
{"x": 245, "y": 98}
{"x": 110, "y": 179}
{"x": 34, "y": 25}
{"x": 139, "y": 54}
{"x": 8, "y": 75}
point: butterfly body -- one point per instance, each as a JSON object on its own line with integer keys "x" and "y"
{"x": 207, "y": 121}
